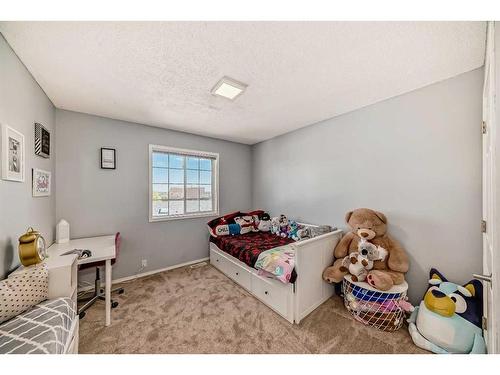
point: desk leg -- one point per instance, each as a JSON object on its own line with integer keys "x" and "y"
{"x": 108, "y": 292}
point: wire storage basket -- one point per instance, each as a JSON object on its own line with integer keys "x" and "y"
{"x": 372, "y": 307}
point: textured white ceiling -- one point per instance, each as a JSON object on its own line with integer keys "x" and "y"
{"x": 299, "y": 73}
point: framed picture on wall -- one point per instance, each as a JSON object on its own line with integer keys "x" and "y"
{"x": 108, "y": 158}
{"x": 42, "y": 141}
{"x": 41, "y": 183}
{"x": 12, "y": 143}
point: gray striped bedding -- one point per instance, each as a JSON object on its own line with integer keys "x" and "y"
{"x": 44, "y": 329}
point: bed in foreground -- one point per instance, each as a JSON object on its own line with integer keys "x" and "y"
{"x": 293, "y": 301}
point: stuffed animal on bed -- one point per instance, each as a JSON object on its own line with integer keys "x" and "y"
{"x": 283, "y": 226}
{"x": 275, "y": 225}
{"x": 264, "y": 223}
{"x": 449, "y": 318}
{"x": 256, "y": 222}
{"x": 303, "y": 233}
{"x": 293, "y": 229}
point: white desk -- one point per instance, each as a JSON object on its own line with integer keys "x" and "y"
{"x": 102, "y": 248}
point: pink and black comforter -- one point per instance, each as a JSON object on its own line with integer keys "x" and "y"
{"x": 247, "y": 247}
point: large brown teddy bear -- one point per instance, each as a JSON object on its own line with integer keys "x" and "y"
{"x": 372, "y": 226}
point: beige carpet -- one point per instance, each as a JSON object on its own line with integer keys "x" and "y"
{"x": 202, "y": 311}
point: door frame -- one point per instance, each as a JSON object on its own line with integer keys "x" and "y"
{"x": 492, "y": 224}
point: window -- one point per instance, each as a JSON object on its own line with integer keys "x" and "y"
{"x": 183, "y": 183}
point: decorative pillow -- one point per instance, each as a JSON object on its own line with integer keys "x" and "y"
{"x": 219, "y": 226}
{"x": 256, "y": 218}
{"x": 246, "y": 224}
{"x": 235, "y": 223}
{"x": 23, "y": 289}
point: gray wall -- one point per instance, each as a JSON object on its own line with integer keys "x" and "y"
{"x": 416, "y": 157}
{"x": 97, "y": 202}
{"x": 22, "y": 103}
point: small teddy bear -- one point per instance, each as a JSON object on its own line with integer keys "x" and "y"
{"x": 360, "y": 262}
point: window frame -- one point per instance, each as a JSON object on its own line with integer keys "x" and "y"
{"x": 185, "y": 152}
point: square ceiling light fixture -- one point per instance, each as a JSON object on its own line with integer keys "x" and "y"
{"x": 228, "y": 88}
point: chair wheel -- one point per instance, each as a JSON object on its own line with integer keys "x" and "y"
{"x": 114, "y": 304}
{"x": 82, "y": 315}
{"x": 121, "y": 291}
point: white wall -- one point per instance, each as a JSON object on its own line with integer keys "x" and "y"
{"x": 22, "y": 103}
{"x": 416, "y": 157}
{"x": 96, "y": 201}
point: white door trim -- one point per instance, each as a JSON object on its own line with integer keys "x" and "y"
{"x": 491, "y": 193}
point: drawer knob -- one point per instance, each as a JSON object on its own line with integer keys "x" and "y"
{"x": 266, "y": 292}
{"x": 237, "y": 273}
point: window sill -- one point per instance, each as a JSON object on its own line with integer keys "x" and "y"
{"x": 187, "y": 216}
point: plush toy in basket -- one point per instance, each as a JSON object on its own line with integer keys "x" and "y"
{"x": 360, "y": 262}
{"x": 371, "y": 226}
{"x": 384, "y": 310}
{"x": 448, "y": 320}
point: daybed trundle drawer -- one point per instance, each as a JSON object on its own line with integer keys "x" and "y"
{"x": 217, "y": 260}
{"x": 271, "y": 293}
{"x": 231, "y": 269}
{"x": 238, "y": 274}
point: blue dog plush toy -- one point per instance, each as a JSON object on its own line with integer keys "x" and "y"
{"x": 448, "y": 320}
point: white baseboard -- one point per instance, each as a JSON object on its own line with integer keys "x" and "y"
{"x": 144, "y": 274}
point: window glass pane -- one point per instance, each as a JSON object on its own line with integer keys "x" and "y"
{"x": 193, "y": 206}
{"x": 192, "y": 176}
{"x": 192, "y": 191}
{"x": 176, "y": 161}
{"x": 206, "y": 205}
{"x": 176, "y": 192}
{"x": 205, "y": 191}
{"x": 192, "y": 163}
{"x": 160, "y": 191}
{"x": 206, "y": 164}
{"x": 160, "y": 159}
{"x": 160, "y": 208}
{"x": 160, "y": 175}
{"x": 205, "y": 177}
{"x": 176, "y": 176}
{"x": 181, "y": 184}
{"x": 176, "y": 207}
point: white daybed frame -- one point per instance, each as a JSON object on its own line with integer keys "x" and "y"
{"x": 292, "y": 301}
{"x": 71, "y": 345}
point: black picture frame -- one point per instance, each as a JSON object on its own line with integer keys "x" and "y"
{"x": 106, "y": 163}
{"x": 42, "y": 141}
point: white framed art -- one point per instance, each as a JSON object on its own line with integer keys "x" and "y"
{"x": 41, "y": 182}
{"x": 13, "y": 154}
